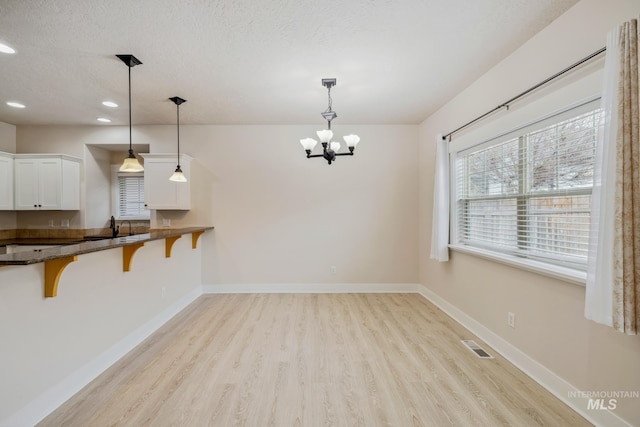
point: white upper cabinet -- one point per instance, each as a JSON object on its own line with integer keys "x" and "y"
{"x": 47, "y": 182}
{"x": 159, "y": 192}
{"x": 6, "y": 182}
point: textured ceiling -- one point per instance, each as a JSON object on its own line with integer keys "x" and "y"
{"x": 253, "y": 61}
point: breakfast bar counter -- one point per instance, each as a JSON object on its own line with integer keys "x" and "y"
{"x": 74, "y": 247}
{"x": 57, "y": 257}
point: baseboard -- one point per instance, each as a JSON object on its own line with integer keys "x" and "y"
{"x": 47, "y": 402}
{"x": 543, "y": 376}
{"x": 312, "y": 288}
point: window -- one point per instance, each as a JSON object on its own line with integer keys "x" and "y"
{"x": 130, "y": 196}
{"x": 527, "y": 194}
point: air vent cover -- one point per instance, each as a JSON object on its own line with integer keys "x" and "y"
{"x": 479, "y": 351}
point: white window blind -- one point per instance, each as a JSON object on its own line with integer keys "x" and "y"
{"x": 131, "y": 197}
{"x": 528, "y": 193}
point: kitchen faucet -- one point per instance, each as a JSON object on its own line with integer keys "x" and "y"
{"x": 114, "y": 230}
{"x": 130, "y": 229}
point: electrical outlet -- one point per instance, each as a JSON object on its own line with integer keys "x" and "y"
{"x": 511, "y": 319}
{"x": 333, "y": 270}
{"x": 51, "y": 224}
{"x": 164, "y": 291}
{"x": 64, "y": 223}
{"x": 166, "y": 222}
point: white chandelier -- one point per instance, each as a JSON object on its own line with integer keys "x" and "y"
{"x": 329, "y": 148}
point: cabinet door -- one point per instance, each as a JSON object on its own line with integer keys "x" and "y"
{"x": 159, "y": 192}
{"x": 6, "y": 183}
{"x": 50, "y": 184}
{"x": 26, "y": 184}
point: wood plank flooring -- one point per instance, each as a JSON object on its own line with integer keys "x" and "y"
{"x": 312, "y": 360}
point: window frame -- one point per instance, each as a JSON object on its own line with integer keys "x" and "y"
{"x": 115, "y": 194}
{"x": 565, "y": 273}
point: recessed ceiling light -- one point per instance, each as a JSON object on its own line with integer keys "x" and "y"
{"x": 104, "y": 120}
{"x": 109, "y": 104}
{"x": 6, "y": 49}
{"x": 15, "y": 104}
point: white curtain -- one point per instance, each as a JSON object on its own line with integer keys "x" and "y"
{"x": 440, "y": 224}
{"x": 599, "y": 292}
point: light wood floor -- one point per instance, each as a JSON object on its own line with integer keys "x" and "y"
{"x": 311, "y": 360}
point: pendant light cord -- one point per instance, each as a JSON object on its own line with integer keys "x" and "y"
{"x": 130, "y": 137}
{"x": 178, "y": 121}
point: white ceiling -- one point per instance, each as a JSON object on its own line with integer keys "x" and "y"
{"x": 253, "y": 61}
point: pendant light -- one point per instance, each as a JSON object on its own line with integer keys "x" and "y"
{"x": 131, "y": 163}
{"x": 178, "y": 176}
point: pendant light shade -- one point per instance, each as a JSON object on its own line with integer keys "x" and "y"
{"x": 131, "y": 163}
{"x": 178, "y": 176}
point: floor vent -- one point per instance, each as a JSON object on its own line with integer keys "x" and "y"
{"x": 479, "y": 351}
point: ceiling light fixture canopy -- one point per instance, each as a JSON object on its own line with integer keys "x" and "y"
{"x": 131, "y": 163}
{"x": 329, "y": 148}
{"x": 178, "y": 176}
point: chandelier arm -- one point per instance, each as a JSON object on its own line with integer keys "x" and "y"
{"x": 345, "y": 154}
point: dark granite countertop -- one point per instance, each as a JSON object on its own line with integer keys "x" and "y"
{"x": 41, "y": 241}
{"x": 72, "y": 247}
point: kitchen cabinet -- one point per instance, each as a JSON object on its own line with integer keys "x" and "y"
{"x": 159, "y": 192}
{"x": 6, "y": 181}
{"x": 47, "y": 182}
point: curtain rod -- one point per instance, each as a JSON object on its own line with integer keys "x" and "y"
{"x": 531, "y": 89}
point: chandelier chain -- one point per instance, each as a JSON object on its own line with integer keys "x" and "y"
{"x": 328, "y": 110}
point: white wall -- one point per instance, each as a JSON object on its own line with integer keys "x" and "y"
{"x": 550, "y": 325}
{"x": 280, "y": 217}
{"x": 7, "y": 138}
{"x": 8, "y": 145}
{"x": 97, "y": 179}
{"x": 51, "y": 345}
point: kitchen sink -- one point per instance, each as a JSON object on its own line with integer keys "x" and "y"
{"x": 94, "y": 238}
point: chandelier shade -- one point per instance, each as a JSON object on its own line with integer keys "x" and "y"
{"x": 309, "y": 143}
{"x": 325, "y": 135}
{"x": 351, "y": 140}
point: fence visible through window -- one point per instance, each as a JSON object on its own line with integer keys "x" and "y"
{"x": 530, "y": 195}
